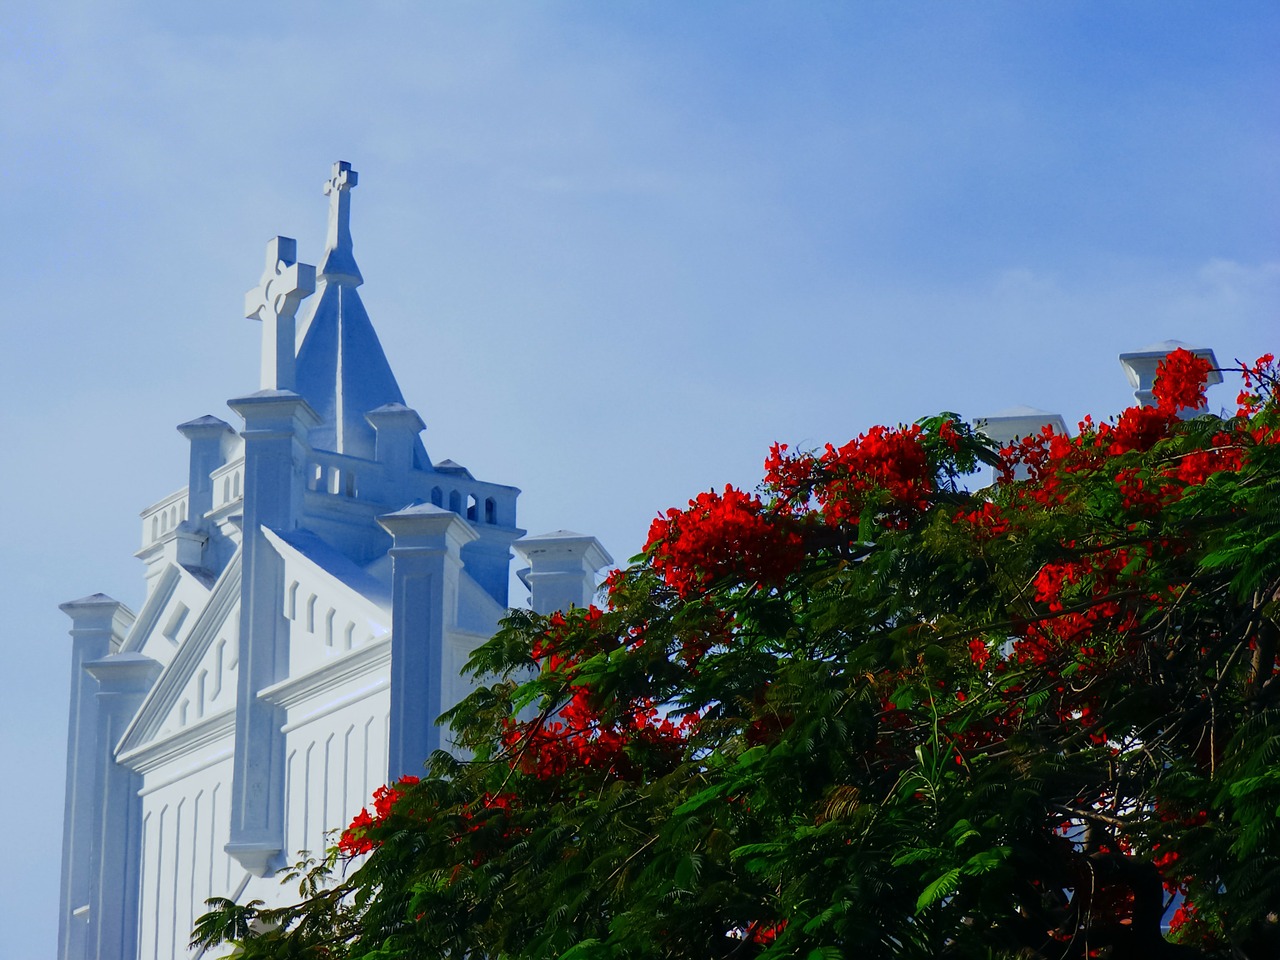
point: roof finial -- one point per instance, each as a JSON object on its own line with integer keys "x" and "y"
{"x": 339, "y": 263}
{"x": 274, "y": 301}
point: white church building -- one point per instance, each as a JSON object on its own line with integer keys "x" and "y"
{"x": 312, "y": 591}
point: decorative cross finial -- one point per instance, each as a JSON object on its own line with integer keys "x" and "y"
{"x": 339, "y": 263}
{"x": 274, "y": 301}
{"x": 344, "y": 178}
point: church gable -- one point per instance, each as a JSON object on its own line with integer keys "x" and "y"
{"x": 173, "y": 601}
{"x": 168, "y": 621}
{"x": 332, "y": 606}
{"x": 200, "y": 678}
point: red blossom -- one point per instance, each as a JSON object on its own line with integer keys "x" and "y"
{"x": 722, "y": 535}
{"x": 883, "y": 464}
{"x": 1138, "y": 428}
{"x": 561, "y": 644}
{"x": 1180, "y": 381}
{"x": 790, "y": 476}
{"x": 356, "y": 839}
{"x": 765, "y": 933}
{"x": 988, "y": 522}
{"x": 579, "y": 738}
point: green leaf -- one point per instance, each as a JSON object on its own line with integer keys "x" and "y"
{"x": 584, "y": 950}
{"x": 919, "y": 855}
{"x": 986, "y": 861}
{"x": 701, "y": 799}
{"x": 940, "y": 889}
{"x": 688, "y": 870}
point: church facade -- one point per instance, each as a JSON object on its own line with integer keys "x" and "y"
{"x": 312, "y": 593}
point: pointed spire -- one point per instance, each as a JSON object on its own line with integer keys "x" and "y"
{"x": 342, "y": 371}
{"x": 339, "y": 263}
{"x": 274, "y": 301}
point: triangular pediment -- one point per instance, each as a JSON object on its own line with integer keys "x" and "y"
{"x": 169, "y": 613}
{"x": 332, "y": 605}
{"x": 199, "y": 680}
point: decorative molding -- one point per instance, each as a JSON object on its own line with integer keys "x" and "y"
{"x": 191, "y": 738}
{"x": 152, "y": 607}
{"x": 164, "y": 696}
{"x": 360, "y": 662}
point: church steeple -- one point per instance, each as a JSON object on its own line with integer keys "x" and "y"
{"x": 341, "y": 369}
{"x": 339, "y": 263}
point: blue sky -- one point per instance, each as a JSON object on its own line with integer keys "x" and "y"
{"x": 613, "y": 250}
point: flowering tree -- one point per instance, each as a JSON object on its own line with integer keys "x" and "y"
{"x": 868, "y": 711}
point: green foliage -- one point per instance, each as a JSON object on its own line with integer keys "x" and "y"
{"x": 896, "y": 719}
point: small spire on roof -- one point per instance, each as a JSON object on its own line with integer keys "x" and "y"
{"x": 339, "y": 263}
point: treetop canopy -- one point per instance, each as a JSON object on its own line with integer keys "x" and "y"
{"x": 865, "y": 711}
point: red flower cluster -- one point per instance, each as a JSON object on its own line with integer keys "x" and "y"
{"x": 580, "y": 738}
{"x": 553, "y": 650}
{"x": 988, "y": 522}
{"x": 356, "y": 840}
{"x": 883, "y": 463}
{"x": 1187, "y": 926}
{"x": 791, "y": 476}
{"x": 979, "y": 653}
{"x": 1180, "y": 381}
{"x": 885, "y": 467}
{"x": 1048, "y": 458}
{"x": 1259, "y": 380}
{"x": 765, "y": 933}
{"x": 1137, "y": 428}
{"x": 1090, "y": 581}
{"x": 1196, "y": 467}
{"x": 722, "y": 535}
{"x": 1045, "y": 457}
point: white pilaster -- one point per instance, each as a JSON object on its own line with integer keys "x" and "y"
{"x": 562, "y": 569}
{"x": 426, "y": 559}
{"x": 275, "y": 454}
{"x": 488, "y": 559}
{"x": 99, "y": 625}
{"x": 123, "y": 681}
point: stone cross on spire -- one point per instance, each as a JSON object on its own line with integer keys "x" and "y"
{"x": 274, "y": 301}
{"x": 339, "y": 263}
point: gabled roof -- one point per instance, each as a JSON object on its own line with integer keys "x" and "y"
{"x": 159, "y": 703}
{"x": 333, "y": 564}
